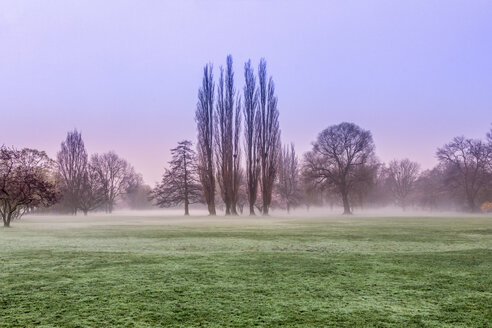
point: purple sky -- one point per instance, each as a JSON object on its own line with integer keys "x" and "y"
{"x": 126, "y": 73}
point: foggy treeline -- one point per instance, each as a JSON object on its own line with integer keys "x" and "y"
{"x": 341, "y": 169}
{"x": 239, "y": 165}
{"x": 97, "y": 182}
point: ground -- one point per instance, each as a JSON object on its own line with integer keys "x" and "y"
{"x": 148, "y": 271}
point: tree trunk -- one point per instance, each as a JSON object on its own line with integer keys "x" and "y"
{"x": 234, "y": 210}
{"x": 266, "y": 204}
{"x": 346, "y": 205}
{"x": 6, "y": 221}
{"x": 265, "y": 209}
{"x": 252, "y": 210}
{"x": 186, "y": 199}
{"x": 85, "y": 212}
{"x": 187, "y": 211}
{"x": 211, "y": 208}
{"x": 471, "y": 204}
{"x": 288, "y": 208}
{"x": 211, "y": 181}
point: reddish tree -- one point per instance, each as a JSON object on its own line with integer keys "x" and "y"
{"x": 26, "y": 182}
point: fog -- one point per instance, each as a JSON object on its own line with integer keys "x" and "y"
{"x": 201, "y": 212}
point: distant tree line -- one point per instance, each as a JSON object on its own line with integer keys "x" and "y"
{"x": 30, "y": 180}
{"x": 343, "y": 161}
{"x": 341, "y": 169}
{"x": 239, "y": 161}
{"x": 95, "y": 183}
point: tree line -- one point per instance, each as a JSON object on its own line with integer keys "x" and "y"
{"x": 30, "y": 180}
{"x": 340, "y": 169}
{"x": 218, "y": 119}
{"x": 93, "y": 183}
{"x": 239, "y": 164}
{"x": 343, "y": 162}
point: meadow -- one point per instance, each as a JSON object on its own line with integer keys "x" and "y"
{"x": 150, "y": 271}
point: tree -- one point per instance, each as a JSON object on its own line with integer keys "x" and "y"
{"x": 269, "y": 135}
{"x": 138, "y": 198}
{"x": 380, "y": 192}
{"x": 337, "y": 157}
{"x": 431, "y": 191}
{"x": 204, "y": 117}
{"x": 402, "y": 176}
{"x": 72, "y": 166}
{"x": 93, "y": 190}
{"x": 311, "y": 192}
{"x": 366, "y": 178}
{"x": 26, "y": 182}
{"x": 227, "y": 125}
{"x": 288, "y": 186}
{"x": 237, "y": 171}
{"x": 468, "y": 161}
{"x": 180, "y": 184}
{"x": 116, "y": 175}
{"x": 251, "y": 135}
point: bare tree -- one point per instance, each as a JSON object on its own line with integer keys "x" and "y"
{"x": 337, "y": 156}
{"x": 269, "y": 135}
{"x": 365, "y": 177}
{"x": 204, "y": 117}
{"x": 431, "y": 190}
{"x": 116, "y": 176}
{"x": 288, "y": 186}
{"x": 242, "y": 198}
{"x": 379, "y": 193}
{"x": 311, "y": 192}
{"x": 402, "y": 176}
{"x": 93, "y": 190}
{"x": 137, "y": 193}
{"x": 251, "y": 135}
{"x": 468, "y": 160}
{"x": 138, "y": 198}
{"x": 72, "y": 166}
{"x": 228, "y": 123}
{"x": 223, "y": 141}
{"x": 237, "y": 171}
{"x": 26, "y": 182}
{"x": 180, "y": 183}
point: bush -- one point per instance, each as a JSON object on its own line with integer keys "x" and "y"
{"x": 486, "y": 207}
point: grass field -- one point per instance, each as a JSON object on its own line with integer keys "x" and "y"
{"x": 153, "y": 271}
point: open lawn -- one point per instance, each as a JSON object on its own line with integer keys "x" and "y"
{"x": 148, "y": 271}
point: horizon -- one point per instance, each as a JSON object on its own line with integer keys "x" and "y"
{"x": 127, "y": 74}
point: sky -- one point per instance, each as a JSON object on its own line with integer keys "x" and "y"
{"x": 126, "y": 73}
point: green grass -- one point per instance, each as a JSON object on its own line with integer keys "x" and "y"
{"x": 275, "y": 272}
